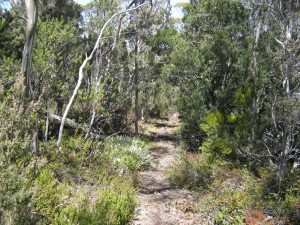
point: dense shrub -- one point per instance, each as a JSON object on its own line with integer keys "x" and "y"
{"x": 18, "y": 164}
{"x": 217, "y": 142}
{"x": 50, "y": 194}
{"x": 59, "y": 203}
{"x": 194, "y": 174}
{"x": 115, "y": 206}
{"x": 50, "y": 187}
{"x": 192, "y": 110}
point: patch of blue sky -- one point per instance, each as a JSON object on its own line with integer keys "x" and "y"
{"x": 176, "y": 10}
{"x": 5, "y": 4}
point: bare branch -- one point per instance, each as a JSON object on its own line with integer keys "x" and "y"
{"x": 280, "y": 42}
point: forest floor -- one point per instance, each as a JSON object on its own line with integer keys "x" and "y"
{"x": 159, "y": 202}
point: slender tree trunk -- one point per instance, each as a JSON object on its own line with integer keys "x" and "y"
{"x": 284, "y": 157}
{"x": 136, "y": 84}
{"x": 31, "y": 27}
{"x": 47, "y": 122}
{"x": 254, "y": 74}
{"x": 98, "y": 80}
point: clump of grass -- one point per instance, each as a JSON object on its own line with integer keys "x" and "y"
{"x": 128, "y": 154}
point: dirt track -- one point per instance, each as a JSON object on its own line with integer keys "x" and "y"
{"x": 160, "y": 203}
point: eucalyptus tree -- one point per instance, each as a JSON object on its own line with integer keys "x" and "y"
{"x": 274, "y": 84}
{"x": 281, "y": 138}
{"x": 210, "y": 64}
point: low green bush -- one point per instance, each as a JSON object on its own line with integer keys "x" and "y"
{"x": 229, "y": 216}
{"x": 114, "y": 207}
{"x": 49, "y": 196}
{"x": 59, "y": 203}
{"x": 234, "y": 191}
{"x": 18, "y": 163}
{"x": 231, "y": 193}
{"x": 193, "y": 174}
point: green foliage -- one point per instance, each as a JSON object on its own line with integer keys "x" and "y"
{"x": 127, "y": 154}
{"x": 16, "y": 194}
{"x": 114, "y": 207}
{"x": 163, "y": 103}
{"x": 233, "y": 191}
{"x": 214, "y": 121}
{"x": 229, "y": 216}
{"x": 164, "y": 41}
{"x": 9, "y": 67}
{"x": 56, "y": 204}
{"x": 43, "y": 189}
{"x": 17, "y": 162}
{"x": 210, "y": 64}
{"x": 192, "y": 111}
{"x": 11, "y": 35}
{"x": 49, "y": 196}
{"x": 216, "y": 142}
{"x": 242, "y": 97}
{"x": 195, "y": 174}
{"x": 60, "y": 9}
{"x": 54, "y": 61}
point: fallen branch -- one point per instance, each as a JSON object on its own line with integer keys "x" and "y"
{"x": 72, "y": 124}
{"x": 68, "y": 122}
{"x": 80, "y": 77}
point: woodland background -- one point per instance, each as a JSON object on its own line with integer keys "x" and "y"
{"x": 230, "y": 68}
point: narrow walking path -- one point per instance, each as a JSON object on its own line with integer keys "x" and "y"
{"x": 160, "y": 203}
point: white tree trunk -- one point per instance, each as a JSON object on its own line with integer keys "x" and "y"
{"x": 31, "y": 26}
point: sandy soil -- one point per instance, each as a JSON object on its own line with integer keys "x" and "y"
{"x": 160, "y": 203}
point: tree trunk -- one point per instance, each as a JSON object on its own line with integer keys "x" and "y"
{"x": 283, "y": 158}
{"x": 31, "y": 26}
{"x": 254, "y": 73}
{"x": 136, "y": 85}
{"x": 287, "y": 147}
